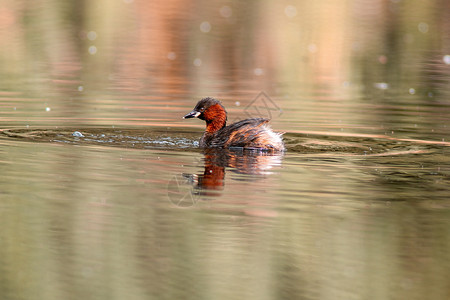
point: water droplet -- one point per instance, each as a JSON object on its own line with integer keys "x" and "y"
{"x": 197, "y": 62}
{"x": 446, "y": 59}
{"x": 381, "y": 85}
{"x": 92, "y": 50}
{"x": 205, "y": 27}
{"x": 382, "y": 59}
{"x": 91, "y": 35}
{"x": 290, "y": 11}
{"x": 258, "y": 71}
{"x": 171, "y": 55}
{"x": 80, "y": 88}
{"x": 226, "y": 11}
{"x": 77, "y": 134}
{"x": 412, "y": 91}
{"x": 423, "y": 27}
{"x": 237, "y": 103}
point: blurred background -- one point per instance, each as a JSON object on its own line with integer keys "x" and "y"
{"x": 359, "y": 211}
{"x": 356, "y": 66}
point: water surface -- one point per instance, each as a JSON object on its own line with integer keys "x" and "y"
{"x": 104, "y": 193}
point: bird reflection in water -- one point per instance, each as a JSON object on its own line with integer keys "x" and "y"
{"x": 256, "y": 163}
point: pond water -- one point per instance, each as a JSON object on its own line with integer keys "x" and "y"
{"x": 104, "y": 193}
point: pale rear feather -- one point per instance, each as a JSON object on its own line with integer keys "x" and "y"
{"x": 276, "y": 137}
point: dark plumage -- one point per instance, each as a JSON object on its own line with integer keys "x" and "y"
{"x": 250, "y": 133}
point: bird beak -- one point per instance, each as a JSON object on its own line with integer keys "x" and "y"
{"x": 192, "y": 114}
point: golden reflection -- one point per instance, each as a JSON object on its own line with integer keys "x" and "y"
{"x": 162, "y": 45}
{"x": 216, "y": 162}
{"x": 102, "y": 62}
{"x": 94, "y": 221}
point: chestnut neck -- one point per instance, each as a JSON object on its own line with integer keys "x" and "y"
{"x": 215, "y": 117}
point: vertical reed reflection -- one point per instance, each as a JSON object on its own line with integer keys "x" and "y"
{"x": 92, "y": 222}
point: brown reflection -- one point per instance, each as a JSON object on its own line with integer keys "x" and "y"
{"x": 212, "y": 180}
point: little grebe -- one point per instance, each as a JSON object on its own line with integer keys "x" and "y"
{"x": 251, "y": 133}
